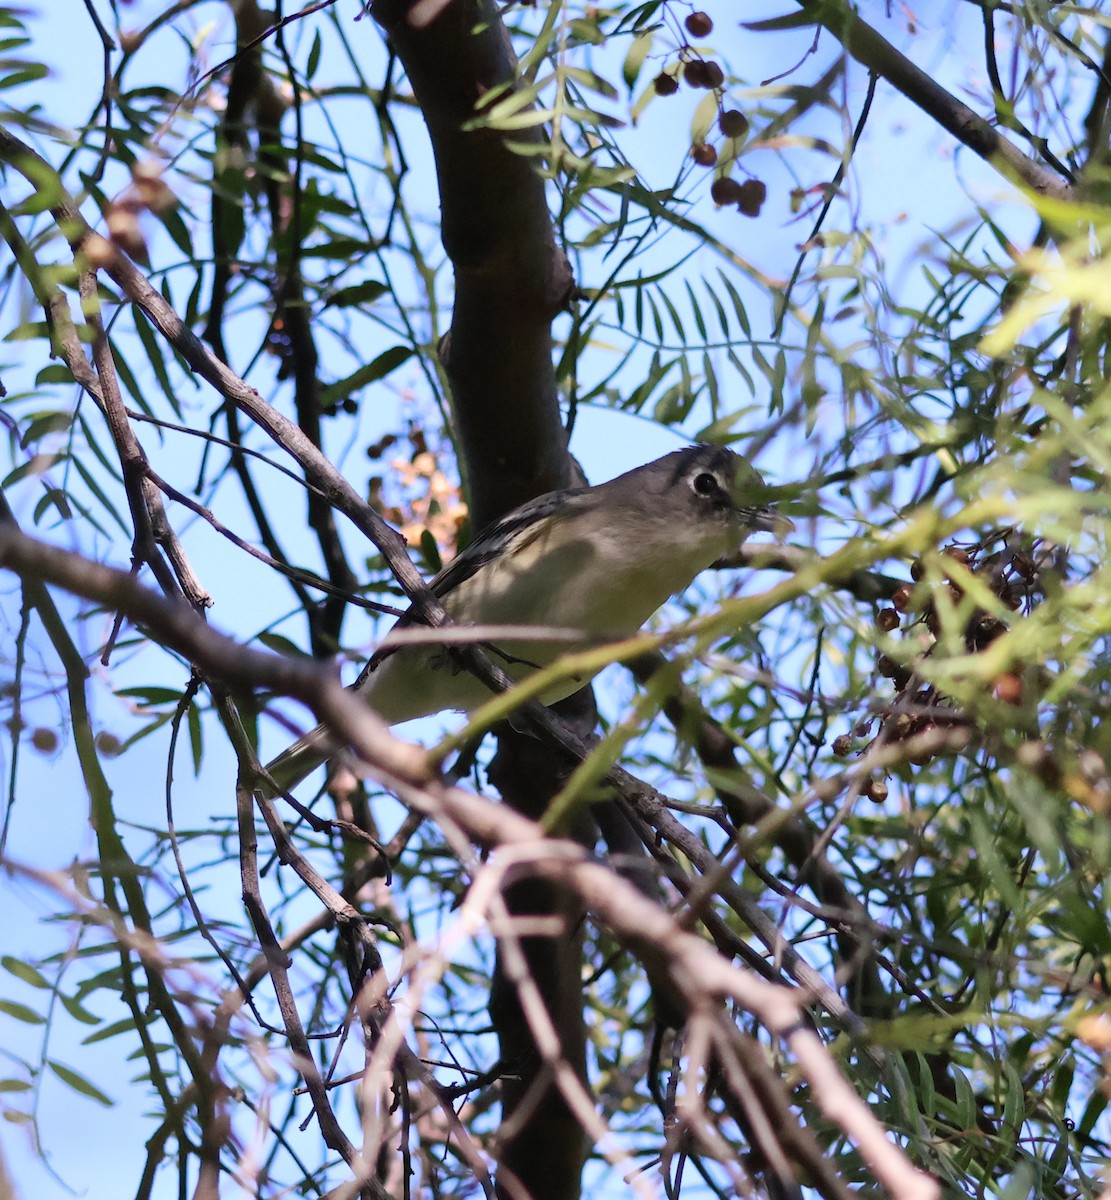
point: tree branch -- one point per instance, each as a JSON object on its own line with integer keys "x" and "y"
{"x": 876, "y": 53}
{"x": 511, "y": 279}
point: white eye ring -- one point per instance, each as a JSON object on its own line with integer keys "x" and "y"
{"x": 705, "y": 484}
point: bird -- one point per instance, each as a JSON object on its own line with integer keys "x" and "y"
{"x": 598, "y": 561}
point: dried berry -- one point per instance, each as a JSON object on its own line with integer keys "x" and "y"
{"x": 699, "y": 24}
{"x": 725, "y": 190}
{"x": 843, "y": 745}
{"x": 890, "y": 669}
{"x": 1025, "y": 566}
{"x": 875, "y": 789}
{"x": 887, "y": 619}
{"x": 715, "y": 76}
{"x": 983, "y": 630}
{"x": 44, "y": 740}
{"x": 917, "y": 570}
{"x": 753, "y": 194}
{"x": 695, "y": 74}
{"x": 933, "y": 621}
{"x": 1008, "y": 688}
{"x": 733, "y": 123}
{"x": 901, "y": 599}
{"x": 665, "y": 84}
{"x": 923, "y": 754}
{"x": 704, "y": 155}
{"x": 108, "y": 744}
{"x": 899, "y": 727}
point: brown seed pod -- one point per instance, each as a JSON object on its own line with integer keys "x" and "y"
{"x": 842, "y": 745}
{"x": 715, "y": 76}
{"x": 917, "y": 570}
{"x": 699, "y": 24}
{"x": 665, "y": 84}
{"x": 957, "y": 554}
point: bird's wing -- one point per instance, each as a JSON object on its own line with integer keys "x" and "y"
{"x": 517, "y": 528}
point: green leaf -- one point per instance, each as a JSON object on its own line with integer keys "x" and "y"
{"x": 280, "y": 644}
{"x": 42, "y": 424}
{"x": 634, "y": 59}
{"x": 55, "y": 498}
{"x": 20, "y": 1012}
{"x": 314, "y": 56}
{"x": 358, "y": 294}
{"x": 79, "y": 1083}
{"x": 152, "y": 695}
{"x": 77, "y": 1011}
{"x": 387, "y": 361}
{"x": 127, "y": 1025}
{"x": 430, "y": 551}
{"x": 158, "y": 363}
{"x": 792, "y": 20}
{"x": 196, "y": 736}
{"x": 54, "y": 373}
{"x": 38, "y": 464}
{"x": 24, "y": 971}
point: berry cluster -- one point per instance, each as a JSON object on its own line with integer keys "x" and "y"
{"x": 921, "y": 716}
{"x": 697, "y": 72}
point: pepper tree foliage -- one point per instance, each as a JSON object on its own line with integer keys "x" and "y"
{"x": 882, "y": 784}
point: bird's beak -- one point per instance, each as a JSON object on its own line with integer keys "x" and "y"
{"x": 770, "y": 521}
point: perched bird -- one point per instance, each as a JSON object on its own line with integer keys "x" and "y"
{"x": 595, "y": 560}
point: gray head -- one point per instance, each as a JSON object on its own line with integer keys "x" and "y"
{"x": 706, "y": 484}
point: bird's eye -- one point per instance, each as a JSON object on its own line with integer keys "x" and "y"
{"x": 705, "y": 484}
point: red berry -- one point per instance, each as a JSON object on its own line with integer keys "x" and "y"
{"x": 887, "y": 619}
{"x": 725, "y": 190}
{"x": 44, "y": 740}
{"x": 694, "y": 73}
{"x": 901, "y": 598}
{"x": 753, "y": 194}
{"x": 733, "y": 123}
{"x": 704, "y": 155}
{"x": 699, "y": 24}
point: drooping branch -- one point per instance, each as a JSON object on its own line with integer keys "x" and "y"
{"x": 876, "y": 53}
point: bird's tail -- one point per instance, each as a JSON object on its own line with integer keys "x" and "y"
{"x": 298, "y": 761}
